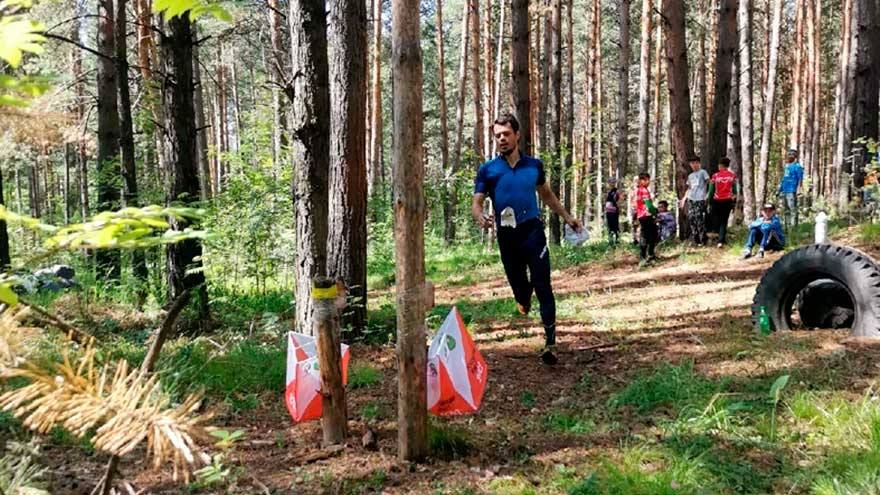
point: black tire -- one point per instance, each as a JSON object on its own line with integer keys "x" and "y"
{"x": 789, "y": 275}
{"x": 825, "y": 303}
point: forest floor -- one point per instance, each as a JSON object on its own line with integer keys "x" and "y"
{"x": 678, "y": 401}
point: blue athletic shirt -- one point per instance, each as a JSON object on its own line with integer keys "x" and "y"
{"x": 512, "y": 186}
{"x": 794, "y": 174}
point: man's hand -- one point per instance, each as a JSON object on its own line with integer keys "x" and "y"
{"x": 682, "y": 202}
{"x": 575, "y": 224}
{"x": 486, "y": 221}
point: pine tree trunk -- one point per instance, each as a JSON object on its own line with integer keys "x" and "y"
{"x": 797, "y": 75}
{"x": 441, "y": 68}
{"x": 65, "y": 191}
{"x": 570, "y": 108}
{"x": 375, "y": 165}
{"x": 842, "y": 112}
{"x": 769, "y": 105}
{"x": 409, "y": 214}
{"x": 79, "y": 111}
{"x": 590, "y": 90}
{"x": 183, "y": 258}
{"x": 449, "y": 203}
{"x": 556, "y": 113}
{"x": 600, "y": 109}
{"x": 734, "y": 143}
{"x": 745, "y": 106}
{"x": 4, "y": 234}
{"x": 488, "y": 93}
{"x": 347, "y": 236}
{"x": 310, "y": 124}
{"x": 658, "y": 76}
{"x": 681, "y": 124}
{"x": 867, "y": 80}
{"x": 519, "y": 55}
{"x": 108, "y": 132}
{"x": 622, "y": 158}
{"x": 714, "y": 146}
{"x": 848, "y": 100}
{"x": 644, "y": 86}
{"x": 817, "y": 98}
{"x": 279, "y": 116}
{"x": 477, "y": 82}
{"x": 204, "y": 167}
{"x": 126, "y": 142}
{"x": 806, "y": 147}
{"x": 499, "y": 69}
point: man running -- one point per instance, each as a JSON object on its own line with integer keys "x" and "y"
{"x": 511, "y": 180}
{"x": 789, "y": 186}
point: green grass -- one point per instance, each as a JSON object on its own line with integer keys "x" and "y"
{"x": 371, "y": 411}
{"x": 569, "y": 422}
{"x": 671, "y": 386}
{"x": 363, "y": 376}
{"x": 869, "y": 233}
{"x": 448, "y": 442}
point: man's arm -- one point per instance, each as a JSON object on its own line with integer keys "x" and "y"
{"x": 477, "y": 211}
{"x": 555, "y": 205}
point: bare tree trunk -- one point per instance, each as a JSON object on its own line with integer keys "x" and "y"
{"x": 4, "y": 235}
{"x": 409, "y": 214}
{"x": 848, "y": 101}
{"x": 714, "y": 146}
{"x": 499, "y": 69}
{"x": 658, "y": 76}
{"x": 108, "y": 131}
{"x": 681, "y": 125}
{"x": 279, "y": 115}
{"x": 570, "y": 108}
{"x": 477, "y": 81}
{"x": 797, "y": 75}
{"x": 867, "y": 79}
{"x": 519, "y": 14}
{"x": 745, "y": 105}
{"x": 488, "y": 94}
{"x": 453, "y": 166}
{"x": 311, "y": 147}
{"x": 441, "y": 67}
{"x": 622, "y": 157}
{"x": 842, "y": 111}
{"x": 129, "y": 170}
{"x": 734, "y": 144}
{"x": 236, "y": 102}
{"x": 347, "y": 236}
{"x": 375, "y": 166}
{"x": 806, "y": 148}
{"x": 183, "y": 258}
{"x": 817, "y": 98}
{"x": 644, "y": 85}
{"x": 68, "y": 159}
{"x": 769, "y": 105}
{"x": 600, "y": 109}
{"x": 202, "y": 129}
{"x": 556, "y": 113}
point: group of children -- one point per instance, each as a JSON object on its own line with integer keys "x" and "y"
{"x": 706, "y": 197}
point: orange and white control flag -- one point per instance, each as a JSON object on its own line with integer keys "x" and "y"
{"x": 457, "y": 372}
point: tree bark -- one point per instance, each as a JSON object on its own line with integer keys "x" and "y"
{"x": 866, "y": 87}
{"x": 204, "y": 167}
{"x": 570, "y": 109}
{"x": 556, "y": 114}
{"x": 279, "y": 114}
{"x": 453, "y": 167}
{"x": 310, "y": 124}
{"x": 714, "y": 146}
{"x": 644, "y": 85}
{"x": 600, "y": 170}
{"x": 745, "y": 106}
{"x": 347, "y": 236}
{"x": 796, "y": 110}
{"x": 477, "y": 81}
{"x": 622, "y": 158}
{"x": 499, "y": 69}
{"x": 375, "y": 166}
{"x": 843, "y": 108}
{"x": 519, "y": 14}
{"x": 441, "y": 68}
{"x": 4, "y": 234}
{"x": 681, "y": 123}
{"x": 108, "y": 132}
{"x": 129, "y": 170}
{"x": 769, "y": 105}
{"x": 488, "y": 93}
{"x": 183, "y": 258}
{"x": 409, "y": 214}
{"x": 734, "y": 145}
{"x": 806, "y": 145}
{"x": 817, "y": 98}
{"x": 658, "y": 76}
{"x": 334, "y": 416}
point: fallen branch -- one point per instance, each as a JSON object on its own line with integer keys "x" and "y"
{"x": 75, "y": 334}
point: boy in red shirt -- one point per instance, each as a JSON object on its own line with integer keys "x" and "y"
{"x": 645, "y": 212}
{"x": 722, "y": 198}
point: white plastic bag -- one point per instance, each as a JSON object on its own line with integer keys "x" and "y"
{"x": 575, "y": 238}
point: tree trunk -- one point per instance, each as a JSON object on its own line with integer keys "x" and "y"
{"x": 817, "y": 98}
{"x": 745, "y": 105}
{"x": 409, "y": 214}
{"x": 519, "y": 14}
{"x": 600, "y": 170}
{"x": 68, "y": 159}
{"x": 347, "y": 236}
{"x": 108, "y": 132}
{"x": 449, "y": 203}
{"x": 126, "y": 142}
{"x": 488, "y": 93}
{"x": 204, "y": 167}
{"x": 644, "y": 85}
{"x": 4, "y": 234}
{"x": 311, "y": 147}
{"x": 556, "y": 114}
{"x": 842, "y": 108}
{"x": 589, "y": 111}
{"x": 658, "y": 75}
{"x": 714, "y": 146}
{"x": 79, "y": 111}
{"x": 183, "y": 258}
{"x": 796, "y": 110}
{"x": 375, "y": 166}
{"x": 279, "y": 115}
{"x": 848, "y": 100}
{"x": 806, "y": 146}
{"x": 441, "y": 68}
{"x": 769, "y": 105}
{"x": 866, "y": 87}
{"x": 622, "y": 158}
{"x": 544, "y": 91}
{"x": 734, "y": 145}
{"x": 570, "y": 109}
{"x": 477, "y": 81}
{"x": 681, "y": 123}
{"x": 499, "y": 69}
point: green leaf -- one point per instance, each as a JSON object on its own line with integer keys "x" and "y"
{"x": 196, "y": 8}
{"x": 18, "y": 35}
{"x": 776, "y": 388}
{"x": 7, "y": 295}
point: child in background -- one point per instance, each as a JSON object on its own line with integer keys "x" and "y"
{"x": 645, "y": 212}
{"x": 612, "y": 212}
{"x": 665, "y": 220}
{"x": 767, "y": 229}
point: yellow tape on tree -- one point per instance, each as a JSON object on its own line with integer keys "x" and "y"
{"x": 322, "y": 293}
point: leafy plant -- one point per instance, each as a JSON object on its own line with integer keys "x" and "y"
{"x": 226, "y": 439}
{"x": 775, "y": 397}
